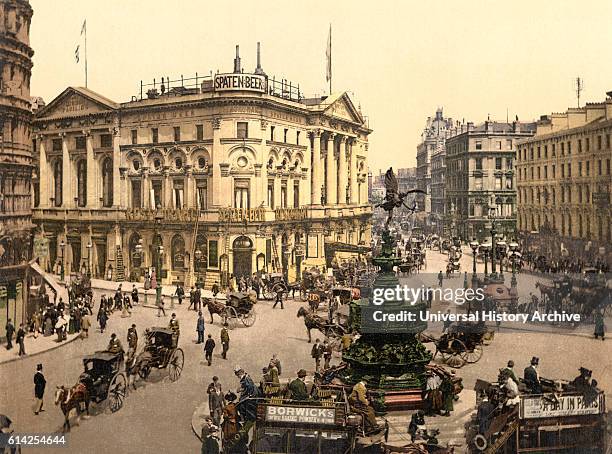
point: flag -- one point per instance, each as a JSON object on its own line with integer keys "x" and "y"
{"x": 328, "y": 54}
{"x": 84, "y": 27}
{"x": 76, "y": 54}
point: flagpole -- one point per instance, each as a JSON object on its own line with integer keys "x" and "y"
{"x": 330, "y": 60}
{"x": 85, "y": 53}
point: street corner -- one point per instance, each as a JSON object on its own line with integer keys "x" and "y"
{"x": 35, "y": 347}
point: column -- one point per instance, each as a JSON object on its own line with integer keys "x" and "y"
{"x": 67, "y": 198}
{"x": 146, "y": 186}
{"x": 315, "y": 171}
{"x": 216, "y": 159}
{"x": 189, "y": 194}
{"x": 342, "y": 180}
{"x": 306, "y": 188}
{"x": 290, "y": 192}
{"x": 331, "y": 181}
{"x": 92, "y": 174}
{"x": 353, "y": 176}
{"x": 116, "y": 165}
{"x": 43, "y": 173}
{"x": 168, "y": 190}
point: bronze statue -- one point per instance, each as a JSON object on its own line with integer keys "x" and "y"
{"x": 394, "y": 198}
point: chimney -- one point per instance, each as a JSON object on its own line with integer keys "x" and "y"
{"x": 516, "y": 126}
{"x": 237, "y": 60}
{"x": 470, "y": 126}
{"x": 259, "y": 70}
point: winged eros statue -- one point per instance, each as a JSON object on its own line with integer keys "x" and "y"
{"x": 394, "y": 198}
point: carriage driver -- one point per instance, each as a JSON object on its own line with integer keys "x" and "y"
{"x": 174, "y": 325}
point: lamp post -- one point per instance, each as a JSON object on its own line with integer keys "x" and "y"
{"x": 62, "y": 246}
{"x": 492, "y": 213}
{"x": 89, "y": 247}
{"x": 159, "y": 217}
{"x": 198, "y": 257}
{"x": 513, "y": 246}
{"x": 485, "y": 250}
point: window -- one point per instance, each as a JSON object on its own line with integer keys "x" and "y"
{"x": 242, "y": 130}
{"x": 554, "y": 171}
{"x": 478, "y": 163}
{"x": 478, "y": 184}
{"x": 509, "y": 163}
{"x": 539, "y": 155}
{"x": 588, "y": 168}
{"x": 498, "y": 163}
{"x": 82, "y": 183}
{"x": 580, "y": 169}
{"x": 569, "y": 147}
{"x": 157, "y": 164}
{"x": 599, "y": 167}
{"x": 499, "y": 144}
{"x": 508, "y": 144}
{"x": 599, "y": 142}
{"x": 562, "y": 148}
{"x": 539, "y": 176}
{"x": 271, "y": 193}
{"x": 134, "y": 136}
{"x": 607, "y": 140}
{"x": 36, "y": 194}
{"x": 554, "y": 149}
{"x": 296, "y": 194}
{"x": 588, "y": 144}
{"x": 177, "y": 194}
{"x": 479, "y": 145}
{"x": 297, "y": 137}
{"x": 607, "y": 167}
{"x": 241, "y": 194}
{"x": 80, "y": 142}
{"x": 57, "y": 180}
{"x": 199, "y": 132}
{"x": 202, "y": 188}
{"x": 136, "y": 194}
{"x": 107, "y": 183}
{"x": 579, "y": 145}
{"x": 508, "y": 182}
{"x": 213, "y": 253}
{"x": 562, "y": 170}
{"x": 154, "y": 135}
{"x": 569, "y": 170}
{"x": 56, "y": 144}
{"x": 531, "y": 153}
{"x": 498, "y": 183}
{"x": 106, "y": 141}
{"x": 156, "y": 194}
{"x": 201, "y": 162}
{"x": 178, "y": 163}
{"x": 285, "y": 135}
{"x": 178, "y": 252}
{"x": 272, "y": 133}
{"x": 283, "y": 194}
{"x": 177, "y": 133}
{"x": 545, "y": 172}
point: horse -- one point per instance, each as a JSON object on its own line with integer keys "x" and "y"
{"x": 214, "y": 307}
{"x": 310, "y": 320}
{"x": 69, "y": 399}
{"x": 138, "y": 366}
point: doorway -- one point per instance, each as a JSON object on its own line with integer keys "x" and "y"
{"x": 243, "y": 257}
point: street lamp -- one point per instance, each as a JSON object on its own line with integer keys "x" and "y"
{"x": 485, "y": 251}
{"x": 514, "y": 255}
{"x": 62, "y": 246}
{"x": 198, "y": 257}
{"x": 159, "y": 217}
{"x": 492, "y": 213}
{"x": 89, "y": 247}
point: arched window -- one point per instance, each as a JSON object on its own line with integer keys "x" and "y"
{"x": 82, "y": 183}
{"x": 57, "y": 179}
{"x": 200, "y": 260}
{"x": 178, "y": 252}
{"x": 107, "y": 182}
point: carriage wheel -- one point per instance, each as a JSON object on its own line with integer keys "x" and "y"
{"x": 268, "y": 293}
{"x": 279, "y": 286}
{"x": 117, "y": 391}
{"x": 230, "y": 316}
{"x": 175, "y": 364}
{"x": 453, "y": 354}
{"x": 248, "y": 319}
{"x": 480, "y": 442}
{"x": 472, "y": 356}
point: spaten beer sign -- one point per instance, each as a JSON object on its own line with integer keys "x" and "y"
{"x": 303, "y": 415}
{"x": 240, "y": 82}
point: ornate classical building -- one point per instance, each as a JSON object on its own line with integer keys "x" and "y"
{"x": 564, "y": 179}
{"x": 229, "y": 174}
{"x": 479, "y": 175}
{"x": 15, "y": 158}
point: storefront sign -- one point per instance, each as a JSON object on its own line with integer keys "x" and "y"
{"x": 240, "y": 82}
{"x": 291, "y": 214}
{"x": 551, "y": 407}
{"x": 242, "y": 215}
{"x": 304, "y": 415}
{"x": 169, "y": 215}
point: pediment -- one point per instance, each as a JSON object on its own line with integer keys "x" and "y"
{"x": 76, "y": 102}
{"x": 344, "y": 109}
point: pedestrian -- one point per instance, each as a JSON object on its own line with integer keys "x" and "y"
{"x": 10, "y": 331}
{"x": 279, "y": 297}
{"x": 440, "y": 278}
{"x": 197, "y": 300}
{"x": 209, "y": 437}
{"x": 134, "y": 295}
{"x": 209, "y": 346}
{"x": 200, "y": 328}
{"x": 174, "y": 325}
{"x": 447, "y": 388}
{"x": 102, "y": 318}
{"x": 132, "y": 340}
{"x": 433, "y": 395}
{"x": 224, "y": 341}
{"x": 316, "y": 353}
{"x": 191, "y": 298}
{"x": 160, "y": 306}
{"x": 216, "y": 401}
{"x": 39, "y": 389}
{"x": 273, "y": 373}
{"x": 600, "y": 327}
{"x": 327, "y": 354}
{"x": 276, "y": 362}
{"x": 180, "y": 293}
{"x": 215, "y": 288}
{"x": 85, "y": 324}
{"x": 20, "y": 339}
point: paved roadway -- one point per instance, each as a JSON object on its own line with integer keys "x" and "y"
{"x": 158, "y": 415}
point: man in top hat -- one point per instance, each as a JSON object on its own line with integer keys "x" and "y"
{"x": 132, "y": 339}
{"x": 531, "y": 377}
{"x": 298, "y": 386}
{"x": 582, "y": 382}
{"x": 39, "y": 389}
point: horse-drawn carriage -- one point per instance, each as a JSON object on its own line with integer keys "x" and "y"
{"x": 462, "y": 343}
{"x": 161, "y": 352}
{"x": 104, "y": 378}
{"x": 272, "y": 283}
{"x": 240, "y": 307}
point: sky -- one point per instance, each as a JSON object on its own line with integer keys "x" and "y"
{"x": 400, "y": 60}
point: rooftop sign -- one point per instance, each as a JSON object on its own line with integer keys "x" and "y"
{"x": 304, "y": 415}
{"x": 240, "y": 82}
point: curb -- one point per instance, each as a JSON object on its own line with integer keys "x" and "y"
{"x": 196, "y": 417}
{"x": 31, "y": 355}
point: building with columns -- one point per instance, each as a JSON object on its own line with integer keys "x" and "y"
{"x": 480, "y": 174}
{"x": 230, "y": 174}
{"x": 564, "y": 180}
{"x": 15, "y": 159}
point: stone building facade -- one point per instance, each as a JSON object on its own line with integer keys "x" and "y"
{"x": 479, "y": 174}
{"x": 564, "y": 178}
{"x": 15, "y": 158}
{"x": 232, "y": 175}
